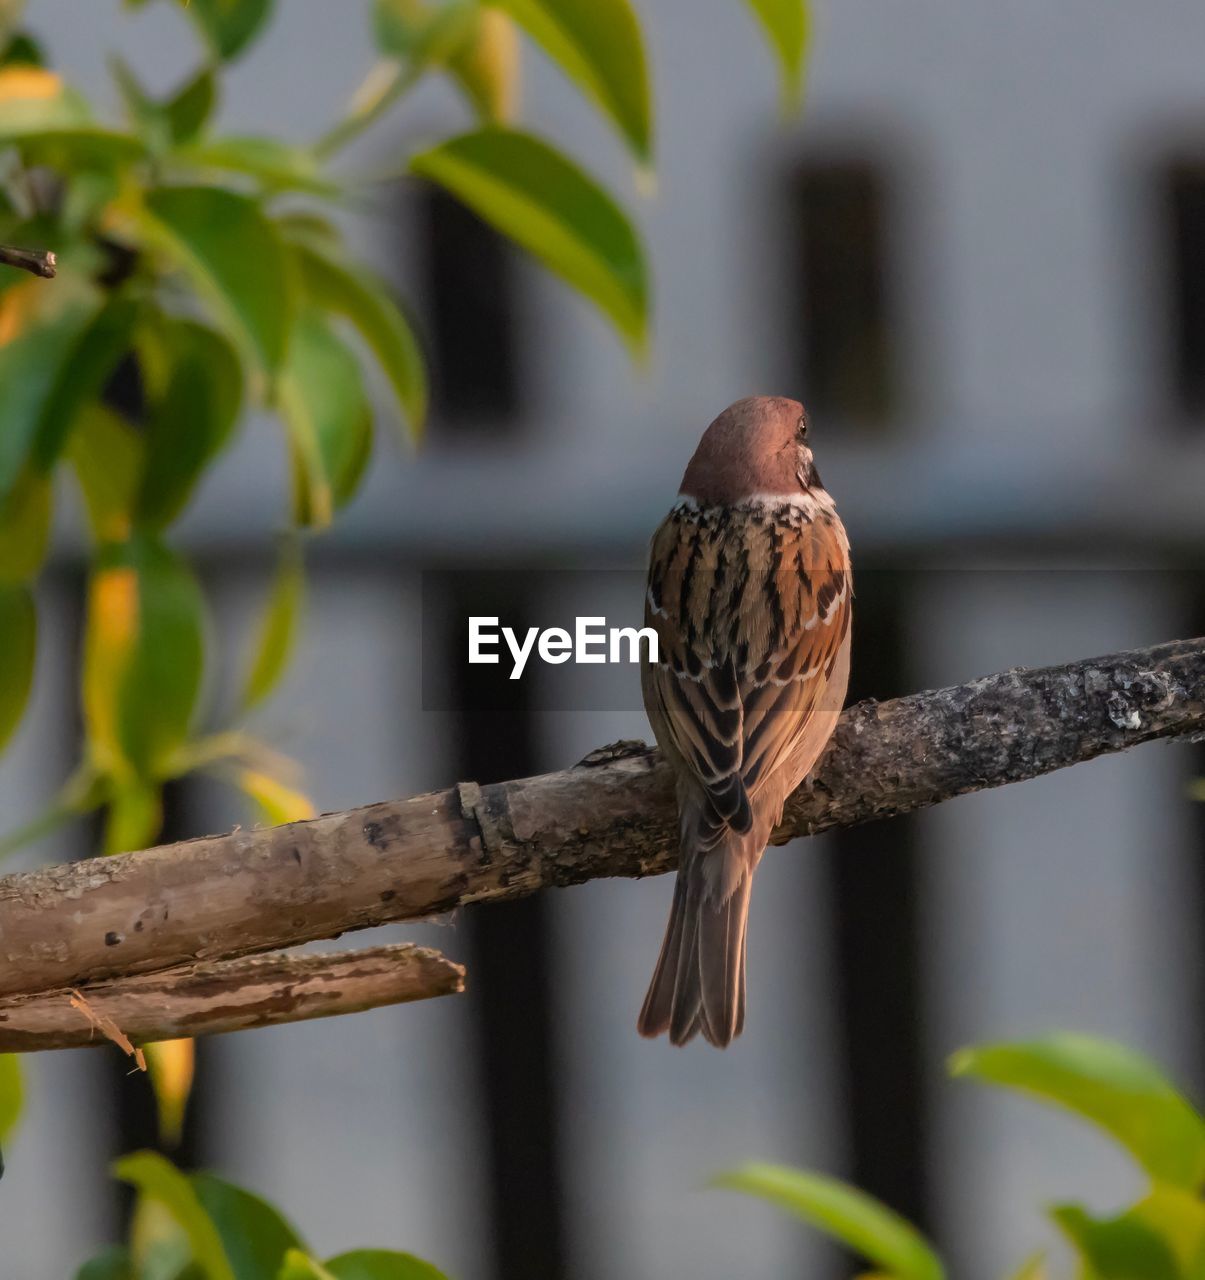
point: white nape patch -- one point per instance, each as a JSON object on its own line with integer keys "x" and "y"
{"x": 809, "y": 501}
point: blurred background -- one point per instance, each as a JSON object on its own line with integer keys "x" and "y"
{"x": 979, "y": 257}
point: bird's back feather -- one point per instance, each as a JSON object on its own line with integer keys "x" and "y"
{"x": 752, "y": 612}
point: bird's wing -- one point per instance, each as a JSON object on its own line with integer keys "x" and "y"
{"x": 750, "y": 620}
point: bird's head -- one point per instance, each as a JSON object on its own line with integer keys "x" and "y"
{"x": 758, "y": 447}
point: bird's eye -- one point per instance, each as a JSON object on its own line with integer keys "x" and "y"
{"x": 801, "y": 427}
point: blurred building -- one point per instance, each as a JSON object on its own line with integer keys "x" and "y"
{"x": 980, "y": 257}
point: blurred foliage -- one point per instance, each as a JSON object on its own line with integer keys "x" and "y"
{"x": 1160, "y": 1237}
{"x": 202, "y": 274}
{"x": 197, "y": 1227}
{"x": 11, "y": 1093}
{"x": 869, "y": 1228}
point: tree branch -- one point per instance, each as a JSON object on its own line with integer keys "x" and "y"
{"x": 612, "y": 815}
{"x": 231, "y": 995}
{"x": 36, "y": 261}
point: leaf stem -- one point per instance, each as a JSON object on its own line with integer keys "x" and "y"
{"x": 386, "y": 84}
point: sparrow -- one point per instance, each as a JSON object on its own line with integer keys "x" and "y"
{"x": 749, "y": 592}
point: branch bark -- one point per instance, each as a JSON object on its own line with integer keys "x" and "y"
{"x": 230, "y": 995}
{"x": 38, "y": 262}
{"x": 611, "y": 815}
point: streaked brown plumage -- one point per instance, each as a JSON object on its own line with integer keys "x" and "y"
{"x": 749, "y": 590}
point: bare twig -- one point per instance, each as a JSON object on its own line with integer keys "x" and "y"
{"x": 39, "y": 262}
{"x": 202, "y": 999}
{"x": 103, "y": 1022}
{"x": 612, "y": 815}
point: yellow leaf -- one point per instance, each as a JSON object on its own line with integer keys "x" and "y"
{"x": 23, "y": 83}
{"x": 277, "y": 802}
{"x": 171, "y": 1063}
{"x": 143, "y": 659}
{"x": 18, "y": 305}
{"x": 487, "y": 67}
{"x": 113, "y": 611}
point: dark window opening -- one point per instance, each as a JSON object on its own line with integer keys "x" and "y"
{"x": 511, "y": 949}
{"x": 135, "y": 1112}
{"x": 873, "y": 882}
{"x": 839, "y": 314}
{"x": 469, "y": 287}
{"x": 1183, "y": 210}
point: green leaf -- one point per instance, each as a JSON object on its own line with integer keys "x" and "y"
{"x": 143, "y": 655}
{"x": 159, "y": 1246}
{"x": 72, "y": 148}
{"x": 844, "y": 1213}
{"x": 230, "y": 25}
{"x": 299, "y": 1266}
{"x": 88, "y": 367}
{"x": 598, "y": 44}
{"x": 278, "y": 165}
{"x": 52, "y": 122}
{"x": 1178, "y": 1219}
{"x": 533, "y": 194}
{"x": 235, "y": 257}
{"x": 380, "y": 1264}
{"x": 189, "y": 108}
{"x": 159, "y": 1180}
{"x": 420, "y": 34}
{"x": 302, "y": 226}
{"x": 321, "y": 399}
{"x": 33, "y": 366}
{"x": 1115, "y": 1088}
{"x": 333, "y": 286}
{"x": 190, "y": 420}
{"x": 34, "y": 101}
{"x": 278, "y": 628}
{"x": 12, "y": 1094}
{"x": 113, "y": 1264}
{"x": 486, "y": 66}
{"x": 86, "y": 193}
{"x": 254, "y": 1235}
{"x": 478, "y": 48}
{"x": 176, "y": 120}
{"x": 18, "y": 652}
{"x": 23, "y": 50}
{"x": 787, "y": 23}
{"x": 107, "y": 454}
{"x": 25, "y": 527}
{"x": 1116, "y": 1248}
{"x": 133, "y": 817}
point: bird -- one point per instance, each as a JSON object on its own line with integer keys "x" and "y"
{"x": 750, "y": 594}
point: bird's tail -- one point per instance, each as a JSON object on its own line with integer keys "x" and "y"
{"x": 699, "y": 982}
